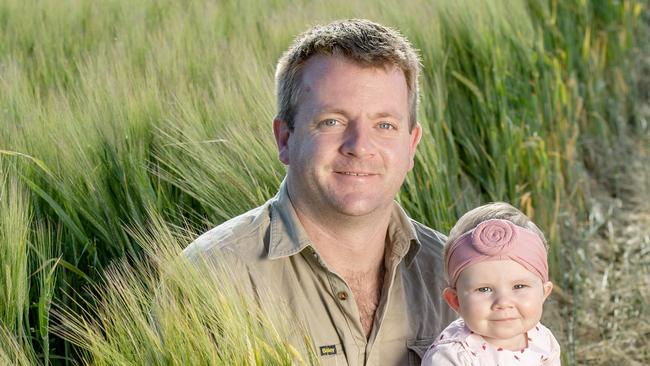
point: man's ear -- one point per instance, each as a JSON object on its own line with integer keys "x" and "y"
{"x": 415, "y": 135}
{"x": 451, "y": 297}
{"x": 282, "y": 132}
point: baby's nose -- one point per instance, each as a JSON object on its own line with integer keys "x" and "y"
{"x": 502, "y": 301}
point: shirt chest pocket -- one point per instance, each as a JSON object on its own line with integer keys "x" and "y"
{"x": 417, "y": 348}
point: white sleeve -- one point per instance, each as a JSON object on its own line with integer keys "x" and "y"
{"x": 554, "y": 357}
{"x": 446, "y": 354}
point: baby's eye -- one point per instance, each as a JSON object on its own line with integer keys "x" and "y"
{"x": 519, "y": 286}
{"x": 483, "y": 289}
{"x": 386, "y": 126}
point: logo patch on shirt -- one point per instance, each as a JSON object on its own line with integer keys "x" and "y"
{"x": 328, "y": 350}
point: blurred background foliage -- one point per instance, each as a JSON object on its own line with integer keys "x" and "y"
{"x": 124, "y": 121}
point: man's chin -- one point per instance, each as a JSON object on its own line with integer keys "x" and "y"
{"x": 359, "y": 208}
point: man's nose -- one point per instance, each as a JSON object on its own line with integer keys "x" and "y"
{"x": 358, "y": 141}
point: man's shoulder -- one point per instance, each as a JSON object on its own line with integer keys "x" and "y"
{"x": 243, "y": 235}
{"x": 432, "y": 241}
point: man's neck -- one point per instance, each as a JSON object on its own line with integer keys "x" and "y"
{"x": 348, "y": 245}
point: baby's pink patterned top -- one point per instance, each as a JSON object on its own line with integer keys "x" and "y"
{"x": 457, "y": 345}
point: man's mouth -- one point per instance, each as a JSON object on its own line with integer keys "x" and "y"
{"x": 354, "y": 174}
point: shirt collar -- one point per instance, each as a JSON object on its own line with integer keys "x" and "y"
{"x": 402, "y": 237}
{"x": 287, "y": 237}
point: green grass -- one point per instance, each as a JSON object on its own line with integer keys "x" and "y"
{"x": 167, "y": 311}
{"x": 117, "y": 112}
{"x": 14, "y": 271}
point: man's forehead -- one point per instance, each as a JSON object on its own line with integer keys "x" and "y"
{"x": 320, "y": 65}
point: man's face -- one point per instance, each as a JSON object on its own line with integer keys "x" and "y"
{"x": 351, "y": 147}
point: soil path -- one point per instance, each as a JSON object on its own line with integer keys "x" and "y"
{"x": 611, "y": 310}
{"x": 606, "y": 318}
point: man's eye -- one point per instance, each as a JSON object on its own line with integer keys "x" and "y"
{"x": 483, "y": 289}
{"x": 386, "y": 126}
{"x": 329, "y": 122}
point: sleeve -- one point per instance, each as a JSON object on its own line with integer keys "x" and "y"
{"x": 446, "y": 354}
{"x": 554, "y": 355}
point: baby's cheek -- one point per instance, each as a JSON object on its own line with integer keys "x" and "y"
{"x": 474, "y": 305}
{"x": 533, "y": 307}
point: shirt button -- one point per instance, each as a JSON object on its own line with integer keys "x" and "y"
{"x": 342, "y": 295}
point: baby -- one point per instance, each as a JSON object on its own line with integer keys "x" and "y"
{"x": 498, "y": 280}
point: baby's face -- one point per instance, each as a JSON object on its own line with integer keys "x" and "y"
{"x": 500, "y": 300}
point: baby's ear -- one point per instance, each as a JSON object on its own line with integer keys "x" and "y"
{"x": 548, "y": 288}
{"x": 451, "y": 297}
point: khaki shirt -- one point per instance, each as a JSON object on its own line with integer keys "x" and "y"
{"x": 276, "y": 252}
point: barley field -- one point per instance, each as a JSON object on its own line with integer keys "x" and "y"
{"x": 129, "y": 127}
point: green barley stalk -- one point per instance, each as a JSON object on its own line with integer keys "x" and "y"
{"x": 114, "y": 110}
{"x": 163, "y": 310}
{"x": 15, "y": 341}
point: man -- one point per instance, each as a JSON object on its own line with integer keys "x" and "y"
{"x": 333, "y": 243}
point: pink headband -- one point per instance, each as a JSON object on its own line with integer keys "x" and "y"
{"x": 497, "y": 239}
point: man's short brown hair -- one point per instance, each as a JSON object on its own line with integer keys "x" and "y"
{"x": 359, "y": 40}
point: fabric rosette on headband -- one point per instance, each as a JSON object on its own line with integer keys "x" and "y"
{"x": 497, "y": 239}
